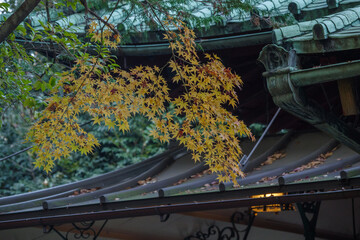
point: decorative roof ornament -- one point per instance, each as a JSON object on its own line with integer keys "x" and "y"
{"x": 275, "y": 58}
{"x": 288, "y": 93}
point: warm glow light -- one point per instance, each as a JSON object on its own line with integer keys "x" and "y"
{"x": 271, "y": 207}
{"x": 268, "y": 195}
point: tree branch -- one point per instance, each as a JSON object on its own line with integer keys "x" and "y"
{"x": 87, "y": 10}
{"x": 15, "y": 154}
{"x": 28, "y": 148}
{"x": 16, "y": 18}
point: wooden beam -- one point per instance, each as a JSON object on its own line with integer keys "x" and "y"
{"x": 347, "y": 97}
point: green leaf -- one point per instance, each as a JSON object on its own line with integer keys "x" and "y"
{"x": 72, "y": 4}
{"x": 43, "y": 86}
{"x": 21, "y": 29}
{"x": 12, "y": 37}
{"x": 52, "y": 82}
{"x": 5, "y": 6}
{"x": 29, "y": 102}
{"x": 37, "y": 85}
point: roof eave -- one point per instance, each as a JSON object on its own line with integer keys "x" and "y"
{"x": 184, "y": 203}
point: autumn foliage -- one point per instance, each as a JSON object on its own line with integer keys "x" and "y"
{"x": 111, "y": 95}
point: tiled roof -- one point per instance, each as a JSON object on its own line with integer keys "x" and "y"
{"x": 281, "y": 160}
{"x": 127, "y": 17}
{"x": 265, "y": 18}
{"x": 341, "y": 30}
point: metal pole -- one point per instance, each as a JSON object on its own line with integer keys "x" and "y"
{"x": 246, "y": 158}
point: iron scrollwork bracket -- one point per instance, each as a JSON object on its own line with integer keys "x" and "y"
{"x": 163, "y": 216}
{"x": 82, "y": 230}
{"x": 312, "y": 208}
{"x": 226, "y": 233}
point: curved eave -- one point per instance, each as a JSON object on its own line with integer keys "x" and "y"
{"x": 245, "y": 40}
{"x": 157, "y": 49}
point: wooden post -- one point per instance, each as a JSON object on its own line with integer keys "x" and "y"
{"x": 347, "y": 97}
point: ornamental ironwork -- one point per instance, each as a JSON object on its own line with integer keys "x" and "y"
{"x": 81, "y": 230}
{"x": 227, "y": 233}
{"x": 309, "y": 212}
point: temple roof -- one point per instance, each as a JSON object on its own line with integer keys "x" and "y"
{"x": 293, "y": 163}
{"x": 334, "y": 32}
{"x": 263, "y": 16}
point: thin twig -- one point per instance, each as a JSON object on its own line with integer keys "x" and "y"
{"x": 112, "y": 12}
{"x": 52, "y": 32}
{"x": 15, "y": 154}
{"x": 28, "y": 148}
{"x": 84, "y": 3}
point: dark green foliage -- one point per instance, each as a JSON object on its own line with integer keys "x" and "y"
{"x": 257, "y": 129}
{"x": 17, "y": 173}
{"x": 117, "y": 150}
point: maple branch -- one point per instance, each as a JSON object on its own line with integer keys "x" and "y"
{"x": 81, "y": 85}
{"x": 127, "y": 16}
{"x": 112, "y": 12}
{"x": 15, "y": 154}
{"x": 28, "y": 148}
{"x": 84, "y": 3}
{"x": 172, "y": 50}
{"x": 182, "y": 59}
{"x": 16, "y": 18}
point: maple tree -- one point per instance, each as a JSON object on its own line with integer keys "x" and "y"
{"x": 112, "y": 95}
{"x": 95, "y": 85}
